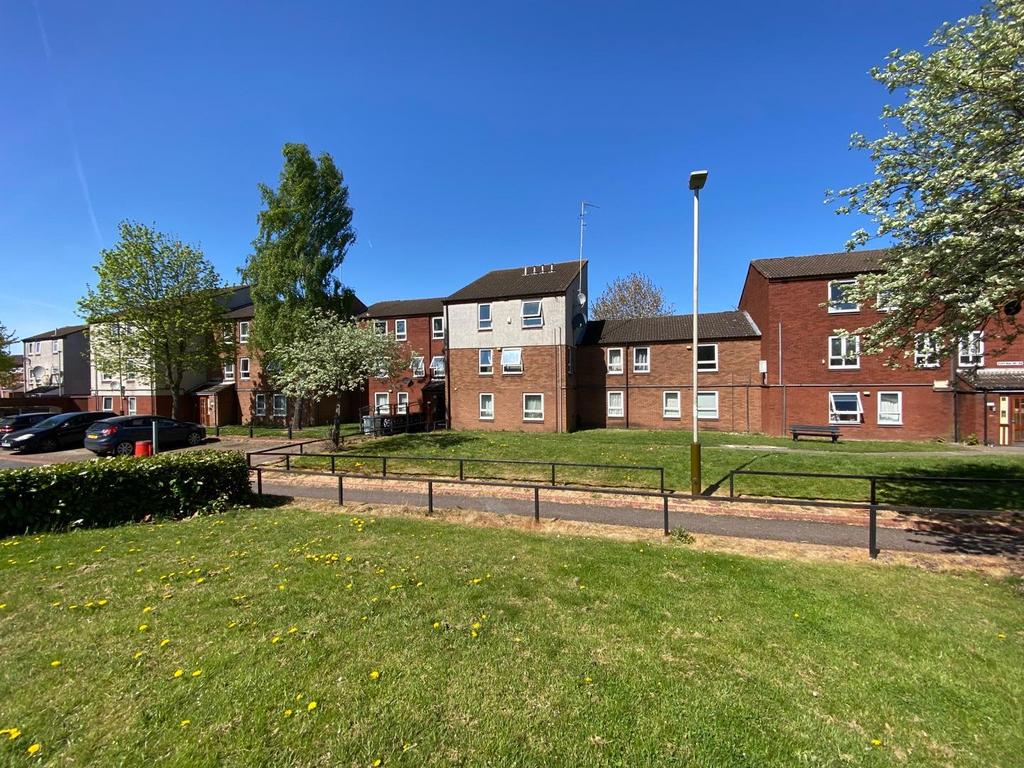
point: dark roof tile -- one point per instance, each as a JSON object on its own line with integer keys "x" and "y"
{"x": 57, "y": 333}
{"x": 542, "y": 280}
{"x": 710, "y": 326}
{"x": 821, "y": 265}
{"x": 404, "y": 307}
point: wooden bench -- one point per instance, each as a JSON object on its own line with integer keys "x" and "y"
{"x": 813, "y": 430}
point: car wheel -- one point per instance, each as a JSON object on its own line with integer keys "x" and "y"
{"x": 194, "y": 438}
{"x": 48, "y": 445}
{"x": 124, "y": 449}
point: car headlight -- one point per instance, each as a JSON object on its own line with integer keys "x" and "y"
{"x": 21, "y": 438}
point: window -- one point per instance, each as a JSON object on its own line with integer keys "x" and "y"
{"x": 133, "y": 406}
{"x": 380, "y": 327}
{"x": 486, "y": 362}
{"x": 280, "y": 405}
{"x": 926, "y": 354}
{"x": 381, "y": 403}
{"x": 243, "y": 368}
{"x": 417, "y": 366}
{"x": 532, "y": 316}
{"x": 670, "y": 405}
{"x": 837, "y": 301}
{"x": 512, "y": 360}
{"x": 403, "y": 402}
{"x": 401, "y": 328}
{"x": 972, "y": 351}
{"x": 261, "y": 405}
{"x": 56, "y": 347}
{"x": 38, "y": 347}
{"x": 533, "y": 407}
{"x": 707, "y": 357}
{"x": 229, "y": 371}
{"x": 243, "y": 331}
{"x": 483, "y": 317}
{"x": 106, "y": 377}
{"x": 641, "y": 359}
{"x": 707, "y": 405}
{"x": 615, "y": 406}
{"x": 229, "y": 334}
{"x": 108, "y": 404}
{"x": 885, "y": 301}
{"x": 129, "y": 377}
{"x": 437, "y": 366}
{"x": 437, "y": 327}
{"x": 844, "y": 408}
{"x": 844, "y": 351}
{"x": 486, "y": 406}
{"x": 615, "y": 360}
{"x": 890, "y": 407}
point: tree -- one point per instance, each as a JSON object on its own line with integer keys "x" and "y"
{"x": 949, "y": 186}
{"x": 634, "y": 295}
{"x": 8, "y": 363}
{"x": 305, "y": 229}
{"x": 332, "y": 357}
{"x": 155, "y": 310}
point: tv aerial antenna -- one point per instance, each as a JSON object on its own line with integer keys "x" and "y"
{"x": 581, "y": 297}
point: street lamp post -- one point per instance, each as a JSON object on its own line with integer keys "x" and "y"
{"x": 697, "y": 181}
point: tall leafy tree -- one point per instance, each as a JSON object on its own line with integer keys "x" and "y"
{"x": 949, "y": 185}
{"x": 332, "y": 357}
{"x": 154, "y": 311}
{"x": 305, "y": 229}
{"x": 8, "y": 363}
{"x": 634, "y": 295}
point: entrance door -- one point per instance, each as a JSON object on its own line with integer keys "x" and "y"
{"x": 1017, "y": 419}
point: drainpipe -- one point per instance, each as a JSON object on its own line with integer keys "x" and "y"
{"x": 448, "y": 371}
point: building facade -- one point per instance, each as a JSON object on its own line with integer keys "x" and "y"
{"x": 56, "y": 363}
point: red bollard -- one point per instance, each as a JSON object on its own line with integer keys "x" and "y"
{"x": 144, "y": 448}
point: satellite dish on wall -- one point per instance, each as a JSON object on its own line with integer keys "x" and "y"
{"x": 1012, "y": 308}
{"x": 581, "y": 298}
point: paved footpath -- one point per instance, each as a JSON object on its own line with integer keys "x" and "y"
{"x": 831, "y": 534}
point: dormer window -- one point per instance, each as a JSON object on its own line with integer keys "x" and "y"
{"x": 532, "y": 314}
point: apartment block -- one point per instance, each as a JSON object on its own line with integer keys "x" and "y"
{"x": 56, "y": 363}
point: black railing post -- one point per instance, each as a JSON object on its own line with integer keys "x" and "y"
{"x": 732, "y": 484}
{"x": 536, "y": 503}
{"x": 661, "y": 481}
{"x": 250, "y": 429}
{"x": 288, "y": 462}
{"x": 383, "y": 466}
{"x": 664, "y": 505}
{"x": 430, "y": 497}
{"x": 462, "y": 469}
{"x": 341, "y": 490}
{"x": 289, "y": 430}
{"x": 552, "y": 473}
{"x": 216, "y": 430}
{"x": 259, "y": 481}
{"x": 300, "y": 448}
{"x": 332, "y": 465}
{"x": 873, "y": 521}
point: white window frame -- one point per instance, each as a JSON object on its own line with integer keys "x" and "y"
{"x": 483, "y": 324}
{"x": 55, "y": 347}
{"x": 899, "y": 409}
{"x": 379, "y": 407}
{"x": 403, "y": 334}
{"x": 533, "y": 418}
{"x": 401, "y": 402}
{"x": 646, "y": 368}
{"x": 619, "y": 412}
{"x": 485, "y": 369}
{"x": 532, "y": 319}
{"x": 834, "y": 414}
{"x": 437, "y": 371}
{"x": 380, "y": 327}
{"x": 707, "y": 366}
{"x": 107, "y": 399}
{"x": 884, "y": 301}
{"x": 106, "y": 378}
{"x": 707, "y": 414}
{"x": 925, "y": 351}
{"x": 133, "y": 405}
{"x": 665, "y": 412}
{"x": 418, "y": 366}
{"x": 971, "y": 351}
{"x": 483, "y": 414}
{"x": 261, "y": 404}
{"x": 243, "y": 331}
{"x": 512, "y": 369}
{"x": 437, "y": 327}
{"x": 229, "y": 334}
{"x": 244, "y": 369}
{"x": 832, "y": 308}
{"x": 229, "y": 371}
{"x": 283, "y": 410}
{"x": 841, "y": 361}
{"x": 608, "y": 361}
{"x": 38, "y": 347}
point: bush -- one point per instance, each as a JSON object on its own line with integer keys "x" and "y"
{"x": 683, "y": 536}
{"x": 119, "y": 490}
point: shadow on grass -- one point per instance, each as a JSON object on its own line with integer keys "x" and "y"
{"x": 269, "y": 501}
{"x": 960, "y": 486}
{"x": 712, "y": 489}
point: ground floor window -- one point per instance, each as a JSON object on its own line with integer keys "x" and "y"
{"x": 844, "y": 408}
{"x": 261, "y": 405}
{"x": 890, "y": 407}
{"x": 403, "y": 402}
{"x": 615, "y": 406}
{"x": 280, "y": 405}
{"x": 486, "y": 406}
{"x": 380, "y": 403}
{"x": 707, "y": 405}
{"x": 670, "y": 405}
{"x": 133, "y": 404}
{"x": 108, "y": 404}
{"x": 533, "y": 407}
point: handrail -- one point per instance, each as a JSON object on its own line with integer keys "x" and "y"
{"x": 882, "y": 478}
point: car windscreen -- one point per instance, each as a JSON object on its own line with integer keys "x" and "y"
{"x": 8, "y": 421}
{"x": 54, "y": 421}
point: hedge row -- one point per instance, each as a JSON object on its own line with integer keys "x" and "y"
{"x": 119, "y": 490}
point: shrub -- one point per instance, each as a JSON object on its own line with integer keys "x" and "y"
{"x": 683, "y": 536}
{"x": 119, "y": 490}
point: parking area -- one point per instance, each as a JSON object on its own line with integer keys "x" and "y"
{"x": 10, "y": 460}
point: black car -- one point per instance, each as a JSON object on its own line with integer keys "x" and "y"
{"x": 119, "y": 434}
{"x": 65, "y": 430}
{"x": 21, "y": 421}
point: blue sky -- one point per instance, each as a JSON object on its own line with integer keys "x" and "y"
{"x": 468, "y": 132}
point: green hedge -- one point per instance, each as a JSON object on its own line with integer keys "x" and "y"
{"x": 119, "y": 490}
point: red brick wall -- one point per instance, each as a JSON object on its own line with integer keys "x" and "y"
{"x": 146, "y": 405}
{"x": 420, "y": 341}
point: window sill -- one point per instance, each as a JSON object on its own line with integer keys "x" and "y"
{"x": 844, "y": 367}
{"x": 844, "y": 311}
{"x": 670, "y": 418}
{"x": 610, "y": 416}
{"x": 486, "y": 418}
{"x": 640, "y": 373}
{"x": 485, "y": 373}
{"x": 615, "y": 373}
{"x": 533, "y": 421}
{"x": 890, "y": 424}
{"x": 511, "y": 373}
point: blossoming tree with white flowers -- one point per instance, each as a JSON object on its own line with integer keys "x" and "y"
{"x": 949, "y": 186}
{"x": 334, "y": 357}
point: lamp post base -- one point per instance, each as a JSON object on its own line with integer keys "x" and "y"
{"x": 695, "y": 482}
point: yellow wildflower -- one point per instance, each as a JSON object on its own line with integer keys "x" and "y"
{"x": 311, "y": 706}
{"x": 437, "y": 625}
{"x": 55, "y": 663}
{"x": 876, "y": 742}
{"x": 143, "y": 627}
{"x": 288, "y": 713}
{"x": 10, "y": 733}
{"x": 179, "y": 672}
{"x": 185, "y": 723}
{"x": 292, "y": 630}
{"x": 375, "y": 675}
{"x": 197, "y": 673}
{"x": 34, "y": 748}
{"x": 275, "y": 639}
{"x": 138, "y": 655}
{"x": 164, "y": 642}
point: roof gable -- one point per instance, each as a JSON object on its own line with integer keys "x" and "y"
{"x": 543, "y": 280}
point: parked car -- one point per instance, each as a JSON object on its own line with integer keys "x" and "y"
{"x": 21, "y": 421}
{"x": 65, "y": 430}
{"x": 119, "y": 434}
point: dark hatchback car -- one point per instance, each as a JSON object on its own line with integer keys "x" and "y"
{"x": 120, "y": 434}
{"x": 21, "y": 421}
{"x": 65, "y": 430}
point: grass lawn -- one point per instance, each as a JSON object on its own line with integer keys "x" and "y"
{"x": 287, "y": 637}
{"x": 722, "y": 452}
{"x": 306, "y": 433}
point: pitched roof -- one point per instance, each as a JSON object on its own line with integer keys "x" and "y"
{"x": 710, "y": 326}
{"x": 57, "y": 333}
{"x": 541, "y": 280}
{"x": 998, "y": 379}
{"x": 821, "y": 264}
{"x": 403, "y": 307}
{"x": 238, "y": 302}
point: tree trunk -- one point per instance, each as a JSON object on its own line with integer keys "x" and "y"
{"x": 297, "y": 412}
{"x": 175, "y": 398}
{"x": 336, "y": 429}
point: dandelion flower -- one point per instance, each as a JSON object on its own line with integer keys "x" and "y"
{"x": 164, "y": 642}
{"x": 275, "y": 639}
{"x": 473, "y": 633}
{"x": 179, "y": 672}
{"x": 34, "y": 748}
{"x": 185, "y": 723}
{"x": 375, "y": 675}
{"x": 288, "y": 713}
{"x": 102, "y": 602}
{"x": 143, "y": 627}
{"x": 437, "y": 625}
{"x": 232, "y": 624}
{"x": 10, "y": 733}
{"x": 200, "y": 580}
{"x": 292, "y": 630}
{"x": 876, "y": 742}
{"x": 197, "y": 673}
{"x": 138, "y": 655}
{"x": 311, "y": 706}
{"x": 376, "y": 763}
{"x": 1001, "y": 635}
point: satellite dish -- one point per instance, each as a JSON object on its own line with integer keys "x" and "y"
{"x": 581, "y": 298}
{"x": 578, "y": 320}
{"x": 1012, "y": 308}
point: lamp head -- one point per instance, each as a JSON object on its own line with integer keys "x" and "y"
{"x": 697, "y": 179}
